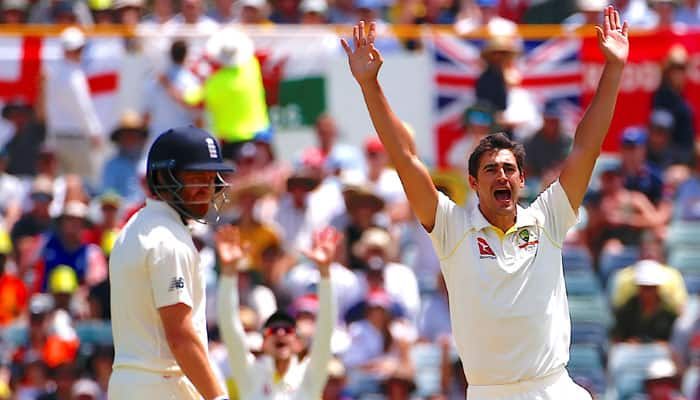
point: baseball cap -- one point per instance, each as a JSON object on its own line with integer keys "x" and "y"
{"x": 307, "y": 303}
{"x": 374, "y": 145}
{"x": 75, "y": 209}
{"x": 186, "y": 148}
{"x": 661, "y": 118}
{"x": 649, "y": 273}
{"x": 280, "y": 318}
{"x": 72, "y": 38}
{"x": 660, "y": 369}
{"x": 86, "y": 387}
{"x": 634, "y": 136}
{"x": 591, "y": 5}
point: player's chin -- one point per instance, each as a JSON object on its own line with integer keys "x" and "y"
{"x": 198, "y": 210}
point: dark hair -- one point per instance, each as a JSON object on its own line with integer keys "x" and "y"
{"x": 178, "y": 51}
{"x": 497, "y": 141}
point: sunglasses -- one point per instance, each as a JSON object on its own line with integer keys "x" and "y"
{"x": 271, "y": 330}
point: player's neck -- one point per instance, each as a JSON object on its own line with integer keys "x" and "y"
{"x": 281, "y": 366}
{"x": 502, "y": 222}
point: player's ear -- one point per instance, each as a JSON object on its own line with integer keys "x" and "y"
{"x": 473, "y": 183}
{"x": 522, "y": 179}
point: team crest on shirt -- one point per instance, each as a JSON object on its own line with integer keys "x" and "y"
{"x": 527, "y": 239}
{"x": 485, "y": 250}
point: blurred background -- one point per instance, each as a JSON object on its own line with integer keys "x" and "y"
{"x": 86, "y": 86}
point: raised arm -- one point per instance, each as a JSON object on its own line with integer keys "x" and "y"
{"x": 365, "y": 62}
{"x": 316, "y": 374}
{"x": 229, "y": 251}
{"x": 591, "y": 131}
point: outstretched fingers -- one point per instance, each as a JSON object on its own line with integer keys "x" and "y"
{"x": 361, "y": 33}
{"x": 346, "y": 47}
{"x": 625, "y": 28}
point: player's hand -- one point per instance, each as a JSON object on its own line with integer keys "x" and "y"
{"x": 612, "y": 37}
{"x": 229, "y": 248}
{"x": 322, "y": 253}
{"x": 364, "y": 60}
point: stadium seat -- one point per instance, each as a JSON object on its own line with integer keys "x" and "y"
{"x": 611, "y": 262}
{"x": 581, "y": 283}
{"x": 585, "y": 362}
{"x": 575, "y": 258}
{"x": 15, "y": 335}
{"x": 592, "y": 309}
{"x": 94, "y": 332}
{"x": 682, "y": 234}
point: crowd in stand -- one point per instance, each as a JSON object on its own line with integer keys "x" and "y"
{"x": 66, "y": 188}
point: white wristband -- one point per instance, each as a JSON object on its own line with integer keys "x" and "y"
{"x": 222, "y": 397}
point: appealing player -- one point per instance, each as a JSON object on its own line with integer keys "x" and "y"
{"x": 157, "y": 290}
{"x": 501, "y": 262}
{"x": 279, "y": 374}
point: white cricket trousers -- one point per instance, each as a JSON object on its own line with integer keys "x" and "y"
{"x": 556, "y": 386}
{"x": 132, "y": 384}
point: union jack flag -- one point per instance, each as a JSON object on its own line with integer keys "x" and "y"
{"x": 550, "y": 68}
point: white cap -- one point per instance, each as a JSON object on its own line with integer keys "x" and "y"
{"x": 591, "y": 5}
{"x": 86, "y": 387}
{"x": 317, "y": 6}
{"x": 72, "y": 38}
{"x": 253, "y": 3}
{"x": 661, "y": 368}
{"x": 649, "y": 273}
{"x": 230, "y": 47}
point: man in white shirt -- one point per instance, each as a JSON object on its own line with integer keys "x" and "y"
{"x": 72, "y": 125}
{"x": 279, "y": 374}
{"x": 157, "y": 287}
{"x": 502, "y": 263}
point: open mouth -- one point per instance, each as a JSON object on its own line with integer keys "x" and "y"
{"x": 502, "y": 195}
{"x": 280, "y": 345}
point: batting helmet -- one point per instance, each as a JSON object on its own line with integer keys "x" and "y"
{"x": 180, "y": 149}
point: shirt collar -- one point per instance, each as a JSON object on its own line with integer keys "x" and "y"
{"x": 163, "y": 207}
{"x": 523, "y": 218}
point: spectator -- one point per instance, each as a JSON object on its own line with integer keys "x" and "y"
{"x": 104, "y": 231}
{"x": 363, "y": 207}
{"x": 234, "y": 95}
{"x": 192, "y": 14}
{"x": 28, "y": 136}
{"x": 636, "y": 13}
{"x": 639, "y": 175}
{"x": 253, "y": 12}
{"x": 478, "y": 13}
{"x": 669, "y": 96}
{"x": 162, "y": 12}
{"x": 64, "y": 377}
{"x": 37, "y": 219}
{"x": 165, "y": 97}
{"x": 11, "y": 193}
{"x": 99, "y": 365}
{"x": 376, "y": 251}
{"x": 327, "y": 137}
{"x": 101, "y": 11}
{"x": 223, "y": 12}
{"x": 64, "y": 247}
{"x": 285, "y": 12}
{"x": 662, "y": 381}
{"x": 32, "y": 380}
{"x": 342, "y": 12}
{"x": 14, "y": 11}
{"x": 120, "y": 173}
{"x": 298, "y": 214}
{"x": 258, "y": 233}
{"x": 688, "y": 13}
{"x": 128, "y": 12}
{"x": 15, "y": 297}
{"x": 645, "y": 317}
{"x": 71, "y": 120}
{"x": 313, "y": 12}
{"x": 687, "y": 201}
{"x": 589, "y": 12}
{"x": 335, "y": 386}
{"x": 477, "y": 121}
{"x": 60, "y": 12}
{"x": 660, "y": 152}
{"x": 550, "y": 146}
{"x": 672, "y": 290}
{"x": 616, "y": 215}
{"x": 380, "y": 345}
{"x": 665, "y": 14}
{"x": 381, "y": 178}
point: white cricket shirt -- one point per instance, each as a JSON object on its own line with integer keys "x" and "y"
{"x": 153, "y": 264}
{"x": 510, "y": 317}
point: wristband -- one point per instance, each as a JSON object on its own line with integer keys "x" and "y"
{"x": 222, "y": 397}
